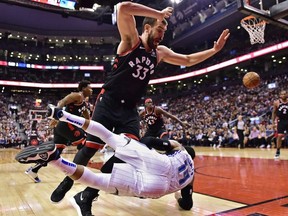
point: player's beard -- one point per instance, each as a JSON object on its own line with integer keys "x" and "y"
{"x": 150, "y": 42}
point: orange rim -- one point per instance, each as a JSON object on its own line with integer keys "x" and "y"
{"x": 262, "y": 22}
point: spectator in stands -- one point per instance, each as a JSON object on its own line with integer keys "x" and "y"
{"x": 262, "y": 136}
{"x": 254, "y": 137}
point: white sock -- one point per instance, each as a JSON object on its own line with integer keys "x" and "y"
{"x": 99, "y": 181}
{"x": 65, "y": 166}
{"x": 73, "y": 119}
{"x": 88, "y": 178}
{"x": 96, "y": 129}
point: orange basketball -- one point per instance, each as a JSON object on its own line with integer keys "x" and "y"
{"x": 251, "y": 80}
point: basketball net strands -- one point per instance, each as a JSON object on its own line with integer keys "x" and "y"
{"x": 254, "y": 26}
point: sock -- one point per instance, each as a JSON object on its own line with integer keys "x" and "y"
{"x": 94, "y": 128}
{"x": 95, "y": 181}
{"x": 65, "y": 166}
{"x": 36, "y": 168}
{"x": 73, "y": 119}
{"x": 88, "y": 177}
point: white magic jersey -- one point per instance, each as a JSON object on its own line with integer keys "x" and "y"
{"x": 148, "y": 173}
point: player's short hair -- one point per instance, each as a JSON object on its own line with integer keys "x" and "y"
{"x": 190, "y": 151}
{"x": 83, "y": 84}
{"x": 152, "y": 21}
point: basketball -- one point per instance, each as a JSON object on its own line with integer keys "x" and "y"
{"x": 251, "y": 80}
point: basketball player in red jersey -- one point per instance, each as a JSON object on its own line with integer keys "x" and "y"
{"x": 65, "y": 133}
{"x": 153, "y": 117}
{"x": 135, "y": 62}
{"x": 280, "y": 113}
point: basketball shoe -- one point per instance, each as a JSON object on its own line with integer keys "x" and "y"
{"x": 277, "y": 155}
{"x": 82, "y": 202}
{"x": 37, "y": 154}
{"x": 33, "y": 175}
{"x": 60, "y": 192}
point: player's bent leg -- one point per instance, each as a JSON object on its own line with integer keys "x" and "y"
{"x": 33, "y": 175}
{"x": 83, "y": 156}
{"x": 278, "y": 145}
{"x": 82, "y": 201}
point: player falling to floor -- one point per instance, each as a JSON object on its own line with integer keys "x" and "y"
{"x": 63, "y": 132}
{"x": 280, "y": 115}
{"x": 153, "y": 117}
{"x": 145, "y": 173}
{"x": 126, "y": 83}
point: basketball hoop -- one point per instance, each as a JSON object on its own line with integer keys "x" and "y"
{"x": 255, "y": 27}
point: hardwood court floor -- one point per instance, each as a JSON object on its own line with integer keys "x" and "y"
{"x": 227, "y": 182}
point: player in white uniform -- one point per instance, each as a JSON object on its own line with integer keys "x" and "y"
{"x": 146, "y": 172}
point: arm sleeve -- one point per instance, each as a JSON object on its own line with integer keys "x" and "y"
{"x": 186, "y": 202}
{"x": 156, "y": 143}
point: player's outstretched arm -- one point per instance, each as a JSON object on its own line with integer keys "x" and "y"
{"x": 167, "y": 55}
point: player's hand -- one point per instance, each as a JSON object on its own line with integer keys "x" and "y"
{"x": 219, "y": 44}
{"x": 53, "y": 123}
{"x": 166, "y": 13}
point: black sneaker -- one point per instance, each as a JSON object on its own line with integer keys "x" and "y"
{"x": 82, "y": 202}
{"x": 38, "y": 154}
{"x": 277, "y": 155}
{"x": 53, "y": 112}
{"x": 59, "y": 193}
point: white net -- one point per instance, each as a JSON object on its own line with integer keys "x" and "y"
{"x": 255, "y": 27}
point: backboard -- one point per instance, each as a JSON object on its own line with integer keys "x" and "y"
{"x": 273, "y": 11}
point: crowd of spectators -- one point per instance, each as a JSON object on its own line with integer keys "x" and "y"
{"x": 19, "y": 111}
{"x": 210, "y": 111}
{"x": 237, "y": 45}
{"x": 9, "y": 130}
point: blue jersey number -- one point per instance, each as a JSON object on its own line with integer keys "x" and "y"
{"x": 184, "y": 171}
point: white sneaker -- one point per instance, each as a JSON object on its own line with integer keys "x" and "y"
{"x": 262, "y": 146}
{"x": 32, "y": 175}
{"x": 268, "y": 146}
